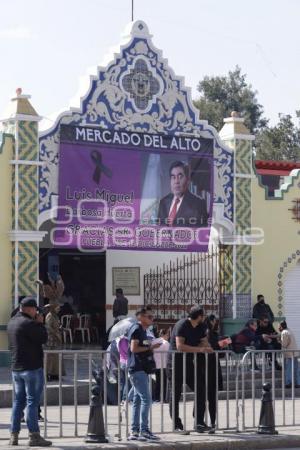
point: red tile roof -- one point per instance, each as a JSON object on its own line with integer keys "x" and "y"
{"x": 280, "y": 168}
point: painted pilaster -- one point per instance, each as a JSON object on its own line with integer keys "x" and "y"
{"x": 6, "y": 153}
{"x": 238, "y": 138}
{"x": 22, "y": 121}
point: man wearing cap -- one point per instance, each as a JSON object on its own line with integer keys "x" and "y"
{"x": 26, "y": 336}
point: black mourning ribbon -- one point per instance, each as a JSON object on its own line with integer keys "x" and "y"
{"x": 96, "y": 157}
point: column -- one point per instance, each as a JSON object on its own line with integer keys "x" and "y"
{"x": 238, "y": 138}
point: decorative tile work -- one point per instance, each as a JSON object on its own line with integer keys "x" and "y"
{"x": 243, "y": 269}
{"x": 28, "y": 140}
{"x": 142, "y": 86}
{"x": 27, "y": 267}
{"x": 28, "y": 197}
{"x": 243, "y": 204}
{"x": 13, "y": 196}
{"x": 13, "y": 272}
{"x": 243, "y": 306}
{"x": 28, "y": 252}
{"x": 243, "y": 156}
{"x": 228, "y": 306}
{"x": 115, "y": 100}
{"x": 282, "y": 269}
{"x": 226, "y": 268}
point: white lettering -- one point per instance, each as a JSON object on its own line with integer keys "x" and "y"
{"x": 108, "y": 138}
{"x": 97, "y": 136}
{"x": 90, "y": 135}
{"x": 80, "y": 133}
{"x": 147, "y": 140}
{"x": 174, "y": 143}
{"x": 125, "y": 138}
{"x": 196, "y": 145}
{"x": 135, "y": 139}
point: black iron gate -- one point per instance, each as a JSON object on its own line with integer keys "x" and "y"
{"x": 198, "y": 279}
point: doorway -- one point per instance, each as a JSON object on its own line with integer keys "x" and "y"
{"x": 84, "y": 277}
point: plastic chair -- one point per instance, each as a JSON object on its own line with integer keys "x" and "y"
{"x": 84, "y": 327}
{"x": 95, "y": 333}
{"x": 66, "y": 327}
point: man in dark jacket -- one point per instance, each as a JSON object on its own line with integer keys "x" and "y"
{"x": 120, "y": 306}
{"x": 246, "y": 337}
{"x": 26, "y": 336}
{"x": 261, "y": 309}
{"x": 269, "y": 339}
{"x": 181, "y": 208}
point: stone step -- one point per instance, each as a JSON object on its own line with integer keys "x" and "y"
{"x": 248, "y": 394}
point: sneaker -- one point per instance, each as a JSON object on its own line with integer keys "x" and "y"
{"x": 133, "y": 436}
{"x": 141, "y": 438}
{"x": 179, "y": 429}
{"x": 202, "y": 428}
{"x": 149, "y": 436}
{"x": 212, "y": 430}
{"x": 181, "y": 432}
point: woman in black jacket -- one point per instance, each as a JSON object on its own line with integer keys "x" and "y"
{"x": 213, "y": 339}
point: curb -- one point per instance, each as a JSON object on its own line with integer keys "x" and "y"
{"x": 218, "y": 442}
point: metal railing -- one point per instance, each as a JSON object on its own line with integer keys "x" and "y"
{"x": 237, "y": 404}
{"x": 63, "y": 400}
{"x": 269, "y": 366}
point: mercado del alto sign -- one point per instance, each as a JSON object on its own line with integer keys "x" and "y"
{"x": 119, "y": 189}
{"x": 142, "y": 141}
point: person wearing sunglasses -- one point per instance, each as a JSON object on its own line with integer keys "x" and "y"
{"x": 140, "y": 364}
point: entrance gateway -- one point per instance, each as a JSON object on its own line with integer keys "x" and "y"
{"x": 105, "y": 197}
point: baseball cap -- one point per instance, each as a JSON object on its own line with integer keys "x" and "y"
{"x": 29, "y": 302}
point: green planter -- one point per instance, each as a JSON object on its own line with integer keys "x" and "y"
{"x": 5, "y": 359}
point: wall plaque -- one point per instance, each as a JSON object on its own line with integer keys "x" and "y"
{"x": 127, "y": 278}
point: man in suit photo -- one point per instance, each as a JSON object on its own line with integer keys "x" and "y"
{"x": 181, "y": 208}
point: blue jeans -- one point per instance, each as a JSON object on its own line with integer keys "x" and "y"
{"x": 141, "y": 402}
{"x": 288, "y": 371}
{"x": 123, "y": 383}
{"x": 28, "y": 387}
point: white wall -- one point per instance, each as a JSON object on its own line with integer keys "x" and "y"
{"x": 145, "y": 260}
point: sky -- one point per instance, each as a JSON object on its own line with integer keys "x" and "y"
{"x": 46, "y": 45}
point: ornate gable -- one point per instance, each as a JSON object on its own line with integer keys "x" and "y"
{"x": 138, "y": 92}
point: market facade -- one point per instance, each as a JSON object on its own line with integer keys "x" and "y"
{"x": 134, "y": 119}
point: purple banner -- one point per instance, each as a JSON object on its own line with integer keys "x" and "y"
{"x": 134, "y": 191}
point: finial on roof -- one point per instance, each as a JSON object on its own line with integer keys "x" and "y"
{"x": 19, "y": 91}
{"x": 234, "y": 114}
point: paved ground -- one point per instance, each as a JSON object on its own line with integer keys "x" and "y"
{"x": 288, "y": 437}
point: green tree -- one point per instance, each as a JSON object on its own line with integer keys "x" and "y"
{"x": 221, "y": 95}
{"x": 279, "y": 142}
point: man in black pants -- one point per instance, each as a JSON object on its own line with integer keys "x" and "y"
{"x": 189, "y": 336}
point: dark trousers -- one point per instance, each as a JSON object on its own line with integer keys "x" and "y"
{"x": 212, "y": 386}
{"x": 176, "y": 390}
{"x": 158, "y": 385}
{"x": 274, "y": 345}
